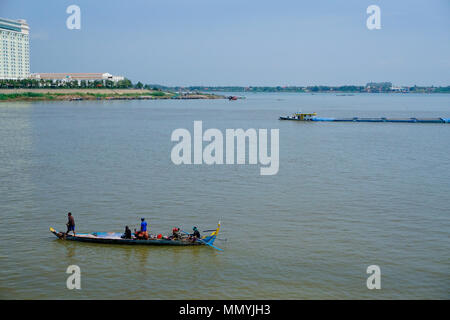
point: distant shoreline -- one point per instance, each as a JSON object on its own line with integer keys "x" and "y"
{"x": 315, "y": 89}
{"x": 45, "y": 94}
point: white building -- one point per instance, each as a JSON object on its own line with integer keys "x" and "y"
{"x": 67, "y": 77}
{"x": 14, "y": 49}
{"x": 398, "y": 89}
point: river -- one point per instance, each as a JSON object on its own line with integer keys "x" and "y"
{"x": 346, "y": 196}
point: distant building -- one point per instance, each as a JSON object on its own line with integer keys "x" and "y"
{"x": 399, "y": 89}
{"x": 378, "y": 87}
{"x": 68, "y": 77}
{"x": 14, "y": 49}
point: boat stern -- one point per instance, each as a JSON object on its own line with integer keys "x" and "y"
{"x": 210, "y": 239}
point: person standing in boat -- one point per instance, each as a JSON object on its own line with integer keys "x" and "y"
{"x": 70, "y": 224}
{"x": 143, "y": 233}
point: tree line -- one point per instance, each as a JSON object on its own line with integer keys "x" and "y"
{"x": 127, "y": 84}
{"x": 63, "y": 84}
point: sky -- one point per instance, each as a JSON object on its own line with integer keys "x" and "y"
{"x": 242, "y": 42}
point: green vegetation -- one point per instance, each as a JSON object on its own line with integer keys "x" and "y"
{"x": 158, "y": 94}
{"x": 74, "y": 94}
{"x": 127, "y": 84}
{"x": 12, "y": 96}
{"x": 375, "y": 87}
{"x": 443, "y": 89}
{"x": 59, "y": 84}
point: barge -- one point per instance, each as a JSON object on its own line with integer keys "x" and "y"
{"x": 313, "y": 117}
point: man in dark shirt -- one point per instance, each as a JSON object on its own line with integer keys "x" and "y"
{"x": 127, "y": 233}
{"x": 196, "y": 233}
{"x": 70, "y": 224}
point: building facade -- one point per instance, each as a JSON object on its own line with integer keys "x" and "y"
{"x": 68, "y": 77}
{"x": 14, "y": 49}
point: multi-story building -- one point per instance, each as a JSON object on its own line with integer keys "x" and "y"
{"x": 78, "y": 77}
{"x": 14, "y": 49}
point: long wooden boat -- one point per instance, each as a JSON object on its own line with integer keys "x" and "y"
{"x": 116, "y": 238}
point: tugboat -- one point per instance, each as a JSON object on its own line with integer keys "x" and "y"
{"x": 300, "y": 116}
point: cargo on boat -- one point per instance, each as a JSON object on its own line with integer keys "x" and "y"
{"x": 313, "y": 117}
{"x": 117, "y": 238}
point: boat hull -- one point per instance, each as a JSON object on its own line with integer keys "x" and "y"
{"x": 356, "y": 119}
{"x": 114, "y": 238}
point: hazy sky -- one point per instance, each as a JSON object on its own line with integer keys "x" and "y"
{"x": 228, "y": 42}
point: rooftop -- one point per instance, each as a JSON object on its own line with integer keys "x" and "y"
{"x": 14, "y": 25}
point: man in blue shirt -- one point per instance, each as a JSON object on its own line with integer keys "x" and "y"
{"x": 143, "y": 225}
{"x": 142, "y": 234}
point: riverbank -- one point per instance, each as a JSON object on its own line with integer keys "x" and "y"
{"x": 96, "y": 94}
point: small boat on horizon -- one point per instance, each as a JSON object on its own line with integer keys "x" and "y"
{"x": 234, "y": 98}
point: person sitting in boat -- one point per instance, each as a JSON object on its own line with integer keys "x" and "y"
{"x": 142, "y": 234}
{"x": 195, "y": 234}
{"x": 70, "y": 224}
{"x": 175, "y": 234}
{"x": 127, "y": 233}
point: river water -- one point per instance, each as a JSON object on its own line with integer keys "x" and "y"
{"x": 347, "y": 196}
